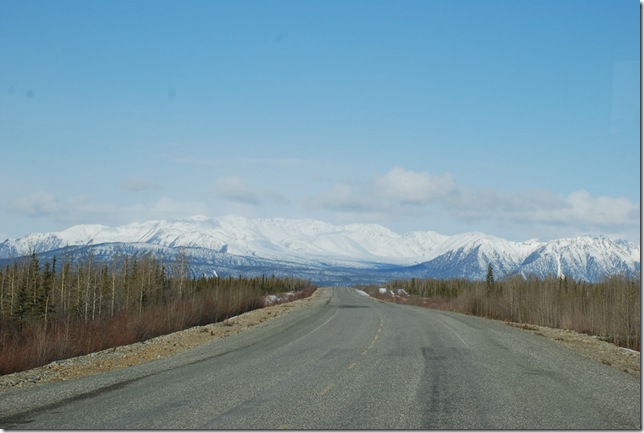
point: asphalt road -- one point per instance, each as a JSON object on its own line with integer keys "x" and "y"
{"x": 347, "y": 362}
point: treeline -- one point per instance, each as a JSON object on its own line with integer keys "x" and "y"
{"x": 53, "y": 310}
{"x": 609, "y": 309}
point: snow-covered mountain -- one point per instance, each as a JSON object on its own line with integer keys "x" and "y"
{"x": 588, "y": 258}
{"x": 468, "y": 255}
{"x": 333, "y": 253}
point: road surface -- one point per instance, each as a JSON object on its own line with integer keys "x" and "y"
{"x": 347, "y": 362}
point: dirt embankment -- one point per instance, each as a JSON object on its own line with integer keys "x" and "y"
{"x": 172, "y": 344}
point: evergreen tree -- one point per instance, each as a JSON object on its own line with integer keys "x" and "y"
{"x": 489, "y": 280}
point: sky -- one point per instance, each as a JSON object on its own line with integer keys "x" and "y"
{"x": 516, "y": 118}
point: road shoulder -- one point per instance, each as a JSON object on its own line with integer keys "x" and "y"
{"x": 154, "y": 349}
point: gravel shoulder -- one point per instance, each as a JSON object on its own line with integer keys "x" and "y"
{"x": 592, "y": 347}
{"x": 181, "y": 341}
{"x": 150, "y": 350}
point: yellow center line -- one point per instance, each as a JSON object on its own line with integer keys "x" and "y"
{"x": 375, "y": 338}
{"x": 353, "y": 364}
{"x": 328, "y": 388}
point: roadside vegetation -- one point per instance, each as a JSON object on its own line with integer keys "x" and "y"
{"x": 609, "y": 309}
{"x": 51, "y": 310}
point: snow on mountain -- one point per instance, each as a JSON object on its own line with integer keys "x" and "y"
{"x": 468, "y": 256}
{"x": 313, "y": 247}
{"x": 586, "y": 257}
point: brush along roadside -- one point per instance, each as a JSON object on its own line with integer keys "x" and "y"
{"x": 590, "y": 346}
{"x": 153, "y": 349}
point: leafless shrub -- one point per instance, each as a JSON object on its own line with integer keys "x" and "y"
{"x": 610, "y": 308}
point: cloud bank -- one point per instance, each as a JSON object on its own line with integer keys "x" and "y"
{"x": 85, "y": 210}
{"x": 235, "y": 189}
{"x": 420, "y": 199}
{"x": 401, "y": 193}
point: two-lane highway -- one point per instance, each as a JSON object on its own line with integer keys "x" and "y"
{"x": 347, "y": 362}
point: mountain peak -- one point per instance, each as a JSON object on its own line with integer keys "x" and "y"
{"x": 315, "y": 246}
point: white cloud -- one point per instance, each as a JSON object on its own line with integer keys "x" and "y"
{"x": 167, "y": 207}
{"x": 397, "y": 192}
{"x": 74, "y": 210}
{"x": 236, "y": 190}
{"x": 400, "y": 194}
{"x": 39, "y": 204}
{"x": 578, "y": 209}
{"x": 84, "y": 210}
{"x": 603, "y": 211}
{"x": 412, "y": 187}
{"x": 343, "y": 198}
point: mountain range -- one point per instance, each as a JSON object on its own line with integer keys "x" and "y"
{"x": 332, "y": 254}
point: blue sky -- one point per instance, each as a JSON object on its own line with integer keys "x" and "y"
{"x": 516, "y": 118}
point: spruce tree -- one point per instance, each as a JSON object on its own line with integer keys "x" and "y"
{"x": 489, "y": 281}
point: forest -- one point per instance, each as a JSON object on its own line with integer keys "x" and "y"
{"x": 56, "y": 310}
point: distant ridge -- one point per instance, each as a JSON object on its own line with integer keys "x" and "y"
{"x": 329, "y": 253}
